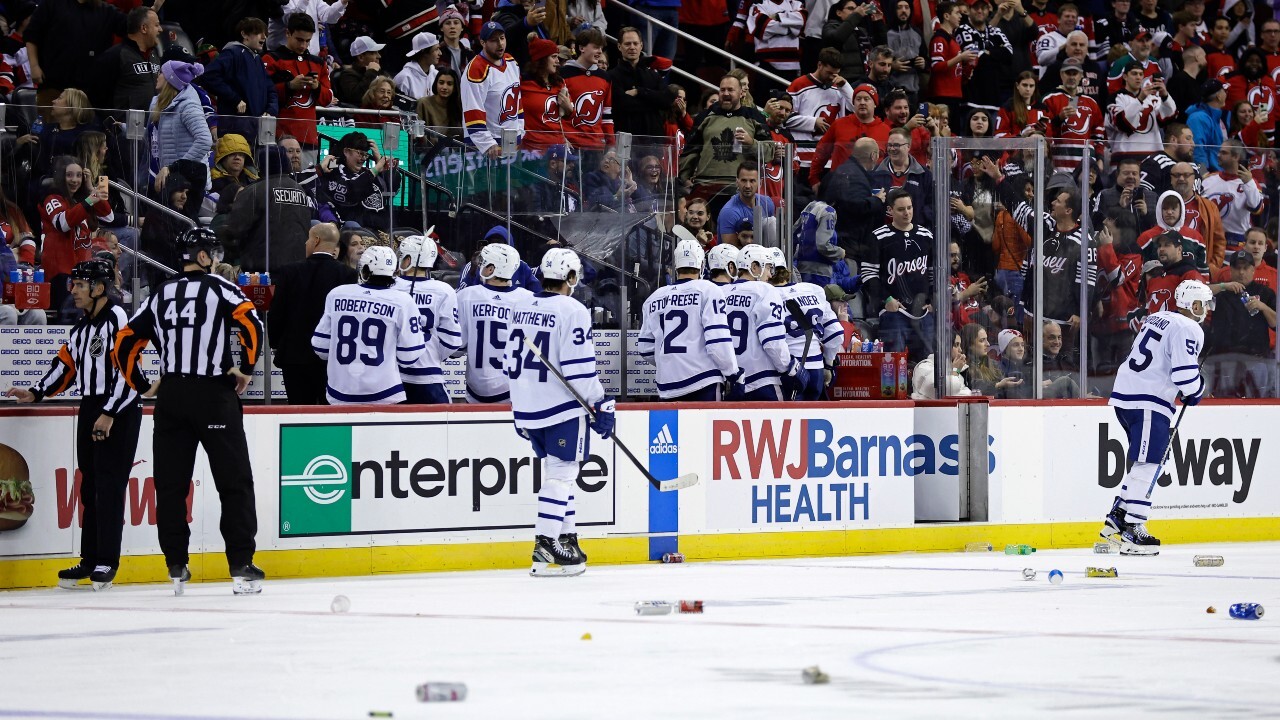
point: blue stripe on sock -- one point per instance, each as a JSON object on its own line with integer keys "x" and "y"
{"x": 553, "y": 501}
{"x": 545, "y": 516}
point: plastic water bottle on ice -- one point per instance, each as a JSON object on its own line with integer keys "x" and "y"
{"x": 1018, "y": 549}
{"x": 442, "y": 692}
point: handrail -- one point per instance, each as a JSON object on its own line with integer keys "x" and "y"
{"x": 147, "y": 259}
{"x": 139, "y": 196}
{"x": 679, "y": 71}
{"x": 733, "y": 60}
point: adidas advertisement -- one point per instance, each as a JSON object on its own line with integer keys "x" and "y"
{"x": 430, "y": 476}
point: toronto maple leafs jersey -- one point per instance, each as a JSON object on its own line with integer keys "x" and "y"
{"x": 367, "y": 335}
{"x": 686, "y": 335}
{"x": 827, "y": 332}
{"x": 1164, "y": 360}
{"x": 438, "y": 310}
{"x": 561, "y": 328}
{"x": 484, "y": 314}
{"x": 759, "y": 336}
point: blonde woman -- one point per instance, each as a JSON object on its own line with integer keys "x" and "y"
{"x": 182, "y": 136}
{"x": 69, "y": 117}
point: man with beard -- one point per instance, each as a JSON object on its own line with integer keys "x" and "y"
{"x": 988, "y": 86}
{"x": 1250, "y": 82}
{"x": 1179, "y": 147}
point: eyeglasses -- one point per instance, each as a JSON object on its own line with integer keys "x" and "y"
{"x": 895, "y": 146}
{"x": 1182, "y": 175}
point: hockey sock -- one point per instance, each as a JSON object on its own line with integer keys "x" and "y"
{"x": 570, "y": 515}
{"x": 558, "y": 477}
{"x": 1134, "y": 492}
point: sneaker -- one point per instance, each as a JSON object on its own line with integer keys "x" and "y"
{"x": 102, "y": 576}
{"x": 1135, "y": 540}
{"x": 552, "y": 559}
{"x": 69, "y": 578}
{"x": 247, "y": 579}
{"x": 180, "y": 576}
{"x": 570, "y": 542}
{"x": 1114, "y": 524}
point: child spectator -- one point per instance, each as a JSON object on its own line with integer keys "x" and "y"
{"x": 239, "y": 82}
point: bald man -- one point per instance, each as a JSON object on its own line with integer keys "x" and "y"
{"x": 859, "y": 206}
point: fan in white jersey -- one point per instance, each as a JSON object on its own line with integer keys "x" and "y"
{"x": 686, "y": 334}
{"x": 546, "y": 412}
{"x": 438, "y": 309}
{"x": 756, "y": 326}
{"x": 827, "y": 332}
{"x": 484, "y": 312}
{"x": 722, "y": 264}
{"x": 1164, "y": 361}
{"x": 368, "y": 334}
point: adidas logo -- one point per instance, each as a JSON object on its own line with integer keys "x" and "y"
{"x": 663, "y": 443}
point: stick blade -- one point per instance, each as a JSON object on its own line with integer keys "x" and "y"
{"x": 680, "y": 483}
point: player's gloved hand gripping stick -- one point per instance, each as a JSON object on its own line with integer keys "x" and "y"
{"x": 684, "y": 481}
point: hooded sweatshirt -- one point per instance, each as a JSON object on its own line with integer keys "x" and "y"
{"x": 523, "y": 277}
{"x": 1193, "y": 245}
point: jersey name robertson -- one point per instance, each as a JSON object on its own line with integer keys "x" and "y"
{"x": 366, "y": 336}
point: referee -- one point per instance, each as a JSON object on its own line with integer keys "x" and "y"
{"x": 106, "y": 426}
{"x": 190, "y": 319}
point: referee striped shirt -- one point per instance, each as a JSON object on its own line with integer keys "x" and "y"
{"x": 85, "y": 359}
{"x": 190, "y": 319}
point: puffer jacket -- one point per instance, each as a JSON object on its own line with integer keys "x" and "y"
{"x": 183, "y": 133}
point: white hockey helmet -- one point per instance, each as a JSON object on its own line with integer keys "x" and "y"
{"x": 779, "y": 259}
{"x": 689, "y": 254}
{"x": 419, "y": 250}
{"x": 377, "y": 260}
{"x": 559, "y": 263}
{"x": 1188, "y": 292}
{"x": 754, "y": 254}
{"x": 723, "y": 257}
{"x": 504, "y": 259}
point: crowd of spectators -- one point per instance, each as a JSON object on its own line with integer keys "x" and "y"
{"x": 1170, "y": 104}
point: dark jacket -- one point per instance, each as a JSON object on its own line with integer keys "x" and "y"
{"x": 290, "y": 210}
{"x": 351, "y": 82}
{"x": 298, "y": 305}
{"x": 236, "y": 75}
{"x": 918, "y": 183}
{"x": 849, "y": 37}
{"x": 512, "y": 16}
{"x": 858, "y": 212}
{"x": 645, "y": 113}
{"x": 70, "y": 36}
{"x": 126, "y": 78}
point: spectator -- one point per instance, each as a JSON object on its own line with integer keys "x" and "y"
{"x": 1060, "y": 367}
{"x": 897, "y": 276}
{"x": 1120, "y": 286}
{"x": 591, "y": 95}
{"x": 1023, "y": 110}
{"x": 1171, "y": 217}
{"x": 161, "y": 226}
{"x": 15, "y": 233}
{"x": 1240, "y": 30}
{"x": 1151, "y": 18}
{"x": 1251, "y": 81}
{"x": 455, "y": 48}
{"x": 966, "y": 294}
{"x": 1112, "y": 33}
{"x": 1172, "y": 44}
{"x": 818, "y": 98}
{"x": 70, "y": 117}
{"x": 590, "y": 13}
{"x": 899, "y": 114}
{"x": 1009, "y": 240}
{"x": 1065, "y": 280}
{"x": 520, "y": 19}
{"x": 320, "y": 12}
{"x": 922, "y": 380}
{"x": 491, "y": 93}
{"x": 523, "y": 277}
{"x": 723, "y": 138}
{"x": 776, "y": 25}
{"x": 68, "y": 216}
{"x": 697, "y": 220}
{"x": 983, "y": 375}
{"x": 544, "y": 97}
{"x": 1184, "y": 85}
{"x": 1139, "y": 53}
{"x": 302, "y": 84}
{"x": 1234, "y": 192}
{"x": 1255, "y": 242}
{"x": 1252, "y": 127}
{"x": 601, "y": 187}
{"x": 835, "y": 143}
{"x": 1127, "y": 195}
{"x": 351, "y": 82}
{"x": 1202, "y": 215}
{"x": 270, "y": 221}
{"x": 297, "y": 306}
{"x": 1013, "y": 367}
{"x": 1053, "y": 42}
{"x": 1136, "y": 114}
{"x": 949, "y": 62}
{"x": 900, "y": 170}
{"x": 978, "y": 123}
{"x": 558, "y": 194}
{"x": 880, "y": 70}
{"x": 848, "y": 190}
{"x": 63, "y": 40}
{"x": 816, "y": 250}
{"x": 851, "y": 26}
{"x": 239, "y": 82}
{"x": 1174, "y": 268}
{"x": 905, "y": 39}
{"x": 744, "y": 205}
{"x": 640, "y": 93}
{"x": 127, "y": 70}
{"x": 653, "y": 192}
{"x": 1093, "y": 84}
{"x": 1238, "y": 343}
{"x": 1075, "y": 121}
{"x": 1179, "y": 147}
{"x": 352, "y": 191}
{"x": 1219, "y": 61}
{"x": 379, "y": 98}
{"x": 183, "y": 140}
{"x": 442, "y": 108}
{"x": 418, "y": 76}
{"x": 679, "y": 122}
{"x": 351, "y": 245}
{"x": 988, "y": 84}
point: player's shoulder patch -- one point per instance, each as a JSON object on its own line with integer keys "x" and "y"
{"x": 478, "y": 69}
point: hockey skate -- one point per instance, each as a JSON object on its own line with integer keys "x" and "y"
{"x": 247, "y": 580}
{"x": 1135, "y": 540}
{"x": 69, "y": 578}
{"x": 1113, "y": 525}
{"x": 551, "y": 559}
{"x": 180, "y": 576}
{"x": 570, "y": 542}
{"x": 102, "y": 576}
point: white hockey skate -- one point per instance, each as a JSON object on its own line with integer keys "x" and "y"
{"x": 180, "y": 575}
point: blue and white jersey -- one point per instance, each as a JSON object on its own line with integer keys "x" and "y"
{"x": 561, "y": 328}
{"x": 759, "y": 337}
{"x": 438, "y": 310}
{"x": 686, "y": 335}
{"x": 484, "y": 312}
{"x": 367, "y": 335}
{"x": 827, "y": 333}
{"x": 1164, "y": 360}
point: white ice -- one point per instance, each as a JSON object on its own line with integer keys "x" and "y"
{"x": 940, "y": 635}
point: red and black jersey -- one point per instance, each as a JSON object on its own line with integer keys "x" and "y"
{"x": 591, "y": 125}
{"x": 543, "y": 126}
{"x": 944, "y": 81}
{"x": 68, "y": 228}
{"x": 298, "y": 107}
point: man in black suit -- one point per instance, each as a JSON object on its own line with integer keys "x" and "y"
{"x": 301, "y": 288}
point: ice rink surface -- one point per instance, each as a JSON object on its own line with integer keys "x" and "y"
{"x": 908, "y": 635}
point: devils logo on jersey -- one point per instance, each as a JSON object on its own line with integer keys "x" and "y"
{"x": 588, "y": 108}
{"x": 1160, "y": 299}
{"x": 510, "y": 104}
{"x": 551, "y": 111}
{"x": 1261, "y": 96}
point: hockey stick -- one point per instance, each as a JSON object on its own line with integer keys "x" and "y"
{"x": 1173, "y": 437}
{"x": 684, "y": 481}
{"x": 802, "y": 320}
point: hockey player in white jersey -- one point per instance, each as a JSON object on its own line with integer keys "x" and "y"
{"x": 1164, "y": 361}
{"x": 368, "y": 333}
{"x": 722, "y": 264}
{"x": 546, "y": 413}
{"x": 686, "y": 334}
{"x": 484, "y": 311}
{"x": 756, "y": 326}
{"x": 438, "y": 310}
{"x": 818, "y": 315}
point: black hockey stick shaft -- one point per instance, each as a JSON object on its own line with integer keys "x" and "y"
{"x": 802, "y": 320}
{"x": 1173, "y": 437}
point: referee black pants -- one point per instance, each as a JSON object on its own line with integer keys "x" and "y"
{"x": 204, "y": 411}
{"x": 104, "y": 476}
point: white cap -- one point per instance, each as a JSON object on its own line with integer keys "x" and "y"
{"x": 378, "y": 260}
{"x": 422, "y": 41}
{"x": 364, "y": 44}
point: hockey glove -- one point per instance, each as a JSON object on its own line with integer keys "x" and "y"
{"x": 799, "y": 378}
{"x": 1194, "y": 399}
{"x": 828, "y": 375}
{"x": 604, "y": 420}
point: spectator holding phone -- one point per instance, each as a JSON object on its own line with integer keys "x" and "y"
{"x": 1013, "y": 366}
{"x": 68, "y": 217}
{"x": 520, "y": 19}
{"x": 302, "y": 83}
{"x": 352, "y": 190}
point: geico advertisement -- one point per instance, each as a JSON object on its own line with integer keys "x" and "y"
{"x": 847, "y": 467}
{"x": 429, "y": 476}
